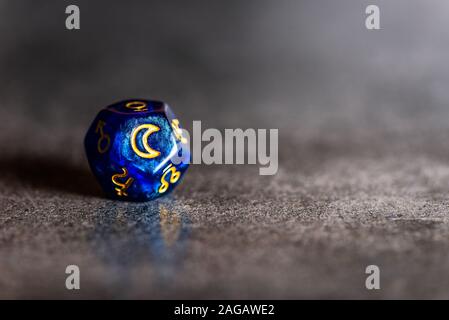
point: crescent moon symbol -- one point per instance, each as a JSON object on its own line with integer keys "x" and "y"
{"x": 151, "y": 153}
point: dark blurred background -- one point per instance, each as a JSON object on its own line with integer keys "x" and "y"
{"x": 363, "y": 123}
{"x": 283, "y": 63}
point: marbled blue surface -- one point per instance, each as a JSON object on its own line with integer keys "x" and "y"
{"x": 123, "y": 173}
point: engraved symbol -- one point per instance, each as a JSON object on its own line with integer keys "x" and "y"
{"x": 105, "y": 140}
{"x": 122, "y": 187}
{"x": 151, "y": 153}
{"x": 178, "y": 131}
{"x": 137, "y": 106}
{"x": 175, "y": 175}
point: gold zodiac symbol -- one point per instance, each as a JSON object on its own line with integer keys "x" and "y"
{"x": 175, "y": 175}
{"x": 178, "y": 131}
{"x": 122, "y": 187}
{"x": 137, "y": 106}
{"x": 151, "y": 153}
{"x": 103, "y": 137}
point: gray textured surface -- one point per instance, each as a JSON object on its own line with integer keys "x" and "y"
{"x": 364, "y": 157}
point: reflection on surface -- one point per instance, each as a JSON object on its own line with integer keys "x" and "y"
{"x": 149, "y": 237}
{"x": 171, "y": 224}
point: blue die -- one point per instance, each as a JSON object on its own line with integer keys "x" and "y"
{"x": 137, "y": 150}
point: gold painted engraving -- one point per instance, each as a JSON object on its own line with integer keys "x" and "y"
{"x": 178, "y": 131}
{"x": 105, "y": 140}
{"x": 137, "y": 106}
{"x": 122, "y": 187}
{"x": 150, "y": 152}
{"x": 174, "y": 176}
